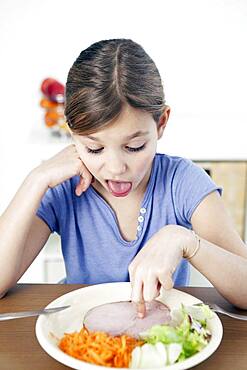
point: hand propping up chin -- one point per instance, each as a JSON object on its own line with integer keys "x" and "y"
{"x": 63, "y": 166}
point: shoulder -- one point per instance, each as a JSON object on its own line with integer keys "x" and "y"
{"x": 181, "y": 174}
{"x": 172, "y": 160}
{"x": 174, "y": 165}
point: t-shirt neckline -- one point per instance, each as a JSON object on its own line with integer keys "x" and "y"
{"x": 144, "y": 204}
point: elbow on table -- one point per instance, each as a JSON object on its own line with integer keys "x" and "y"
{"x": 3, "y": 294}
{"x": 238, "y": 302}
{"x": 241, "y": 306}
{"x": 6, "y": 287}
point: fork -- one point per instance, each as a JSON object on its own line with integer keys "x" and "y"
{"x": 214, "y": 307}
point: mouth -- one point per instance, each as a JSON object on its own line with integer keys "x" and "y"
{"x": 119, "y": 188}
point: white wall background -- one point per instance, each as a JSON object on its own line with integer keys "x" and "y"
{"x": 198, "y": 45}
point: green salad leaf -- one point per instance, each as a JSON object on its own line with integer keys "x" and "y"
{"x": 188, "y": 328}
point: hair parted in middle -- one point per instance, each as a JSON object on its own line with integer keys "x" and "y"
{"x": 105, "y": 77}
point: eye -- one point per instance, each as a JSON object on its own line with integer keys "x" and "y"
{"x": 94, "y": 151}
{"x": 138, "y": 149}
{"x": 130, "y": 149}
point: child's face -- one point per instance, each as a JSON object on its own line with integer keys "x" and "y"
{"x": 120, "y": 156}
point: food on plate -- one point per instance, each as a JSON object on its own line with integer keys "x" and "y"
{"x": 155, "y": 355}
{"x": 183, "y": 335}
{"x": 99, "y": 348}
{"x": 186, "y": 335}
{"x": 121, "y": 318}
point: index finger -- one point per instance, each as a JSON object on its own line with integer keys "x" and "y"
{"x": 137, "y": 298}
{"x": 141, "y": 309}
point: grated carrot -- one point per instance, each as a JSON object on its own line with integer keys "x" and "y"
{"x": 99, "y": 348}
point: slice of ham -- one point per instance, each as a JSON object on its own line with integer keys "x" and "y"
{"x": 121, "y": 318}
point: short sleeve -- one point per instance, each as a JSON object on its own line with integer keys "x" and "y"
{"x": 48, "y": 211}
{"x": 191, "y": 184}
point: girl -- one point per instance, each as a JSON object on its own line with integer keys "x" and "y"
{"x": 123, "y": 212}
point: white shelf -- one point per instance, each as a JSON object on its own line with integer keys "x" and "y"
{"x": 41, "y": 135}
{"x": 48, "y": 267}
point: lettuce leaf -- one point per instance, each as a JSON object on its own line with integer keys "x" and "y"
{"x": 190, "y": 330}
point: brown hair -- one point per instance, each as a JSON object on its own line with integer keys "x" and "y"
{"x": 107, "y": 75}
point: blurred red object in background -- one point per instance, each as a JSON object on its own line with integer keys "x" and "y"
{"x": 53, "y": 90}
{"x": 53, "y": 103}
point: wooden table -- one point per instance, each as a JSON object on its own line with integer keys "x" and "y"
{"x": 20, "y": 350}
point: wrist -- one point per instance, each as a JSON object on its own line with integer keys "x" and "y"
{"x": 38, "y": 179}
{"x": 192, "y": 245}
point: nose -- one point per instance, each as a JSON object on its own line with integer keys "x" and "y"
{"x": 116, "y": 165}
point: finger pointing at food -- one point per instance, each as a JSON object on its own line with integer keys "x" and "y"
{"x": 154, "y": 265}
{"x": 141, "y": 309}
{"x": 137, "y": 292}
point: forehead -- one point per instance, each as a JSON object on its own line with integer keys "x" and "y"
{"x": 130, "y": 123}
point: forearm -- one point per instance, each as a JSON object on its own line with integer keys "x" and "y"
{"x": 225, "y": 270}
{"x": 15, "y": 224}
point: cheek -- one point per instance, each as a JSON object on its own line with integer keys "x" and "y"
{"x": 142, "y": 165}
{"x": 91, "y": 163}
{"x": 79, "y": 150}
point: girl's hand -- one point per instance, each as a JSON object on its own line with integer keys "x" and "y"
{"x": 63, "y": 166}
{"x": 154, "y": 265}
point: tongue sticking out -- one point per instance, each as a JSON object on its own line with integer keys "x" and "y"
{"x": 119, "y": 188}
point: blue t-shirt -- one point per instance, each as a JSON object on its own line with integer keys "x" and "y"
{"x": 93, "y": 249}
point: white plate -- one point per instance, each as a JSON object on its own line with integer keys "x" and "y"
{"x": 51, "y": 327}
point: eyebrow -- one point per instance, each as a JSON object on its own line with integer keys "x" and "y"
{"x": 136, "y": 134}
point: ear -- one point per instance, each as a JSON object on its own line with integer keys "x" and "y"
{"x": 73, "y": 136}
{"x": 69, "y": 130}
{"x": 163, "y": 121}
